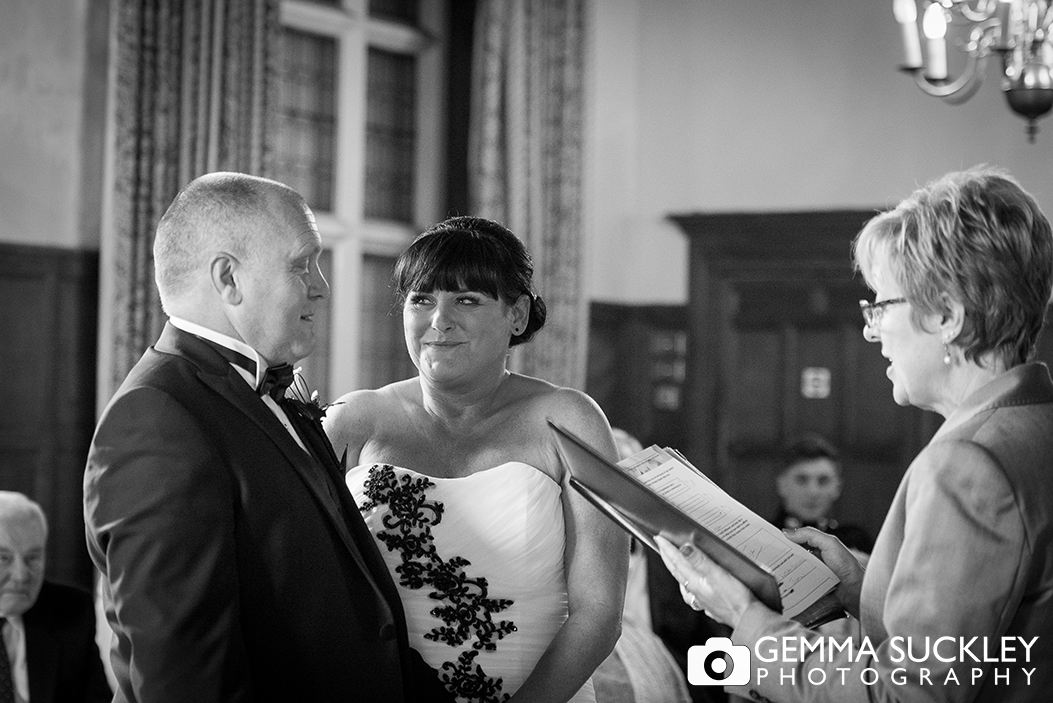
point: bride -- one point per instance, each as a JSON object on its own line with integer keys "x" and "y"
{"x": 512, "y": 583}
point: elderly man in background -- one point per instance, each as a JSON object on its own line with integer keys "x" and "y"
{"x": 49, "y": 653}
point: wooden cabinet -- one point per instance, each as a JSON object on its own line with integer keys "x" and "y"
{"x": 776, "y": 348}
{"x": 637, "y": 369}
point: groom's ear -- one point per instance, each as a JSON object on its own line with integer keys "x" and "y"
{"x": 223, "y": 272}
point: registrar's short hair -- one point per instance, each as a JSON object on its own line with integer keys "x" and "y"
{"x": 216, "y": 211}
{"x": 980, "y": 238}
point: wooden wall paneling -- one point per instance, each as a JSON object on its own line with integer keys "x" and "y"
{"x": 631, "y": 404}
{"x": 610, "y": 357}
{"x": 76, "y": 352}
{"x": 709, "y": 308}
{"x": 601, "y": 381}
{"x": 28, "y": 291}
{"x": 48, "y": 311}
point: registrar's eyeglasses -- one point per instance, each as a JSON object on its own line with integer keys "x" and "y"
{"x": 872, "y": 311}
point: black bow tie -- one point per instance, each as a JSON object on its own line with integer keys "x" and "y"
{"x": 276, "y": 380}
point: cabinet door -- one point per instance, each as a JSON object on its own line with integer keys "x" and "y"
{"x": 776, "y": 348}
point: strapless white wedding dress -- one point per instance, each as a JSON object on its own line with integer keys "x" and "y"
{"x": 478, "y": 561}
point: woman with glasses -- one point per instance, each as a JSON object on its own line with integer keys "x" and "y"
{"x": 957, "y": 599}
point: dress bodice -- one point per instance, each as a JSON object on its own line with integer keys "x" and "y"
{"x": 478, "y": 561}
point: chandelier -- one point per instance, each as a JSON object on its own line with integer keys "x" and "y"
{"x": 1017, "y": 31}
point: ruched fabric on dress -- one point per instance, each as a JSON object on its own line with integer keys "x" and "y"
{"x": 507, "y": 522}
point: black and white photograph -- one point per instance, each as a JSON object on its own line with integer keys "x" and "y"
{"x": 526, "y": 351}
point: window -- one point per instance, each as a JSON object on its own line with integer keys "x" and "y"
{"x": 396, "y": 10}
{"x": 360, "y": 136}
{"x": 391, "y": 135}
{"x": 307, "y": 105}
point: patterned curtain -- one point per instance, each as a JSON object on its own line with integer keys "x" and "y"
{"x": 195, "y": 92}
{"x": 525, "y": 161}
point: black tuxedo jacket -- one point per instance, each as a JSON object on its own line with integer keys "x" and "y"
{"x": 61, "y": 656}
{"x": 236, "y": 565}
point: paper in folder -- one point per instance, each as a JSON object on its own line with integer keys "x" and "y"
{"x": 658, "y": 492}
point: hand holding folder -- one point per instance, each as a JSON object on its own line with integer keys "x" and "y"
{"x": 658, "y": 492}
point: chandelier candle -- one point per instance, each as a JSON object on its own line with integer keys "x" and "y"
{"x": 1005, "y": 33}
{"x": 907, "y": 15}
{"x": 1016, "y": 33}
{"x": 934, "y": 25}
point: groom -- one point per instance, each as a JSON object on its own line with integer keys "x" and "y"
{"x": 235, "y": 565}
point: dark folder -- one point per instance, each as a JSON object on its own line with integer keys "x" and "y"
{"x": 644, "y": 514}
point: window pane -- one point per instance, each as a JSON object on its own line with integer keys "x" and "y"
{"x": 404, "y": 11}
{"x": 384, "y": 356}
{"x": 307, "y": 124}
{"x": 391, "y": 136}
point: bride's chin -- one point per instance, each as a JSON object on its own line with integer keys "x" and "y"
{"x": 435, "y": 372}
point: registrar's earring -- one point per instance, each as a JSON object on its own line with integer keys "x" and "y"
{"x": 947, "y": 351}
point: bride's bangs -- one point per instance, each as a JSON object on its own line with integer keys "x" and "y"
{"x": 449, "y": 261}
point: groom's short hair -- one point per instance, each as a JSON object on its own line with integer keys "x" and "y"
{"x": 221, "y": 211}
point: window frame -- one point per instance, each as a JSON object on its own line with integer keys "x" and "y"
{"x": 345, "y": 230}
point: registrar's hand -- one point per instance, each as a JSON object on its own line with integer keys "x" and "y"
{"x": 840, "y": 560}
{"x": 704, "y": 584}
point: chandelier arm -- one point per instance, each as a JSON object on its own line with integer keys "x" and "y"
{"x": 1020, "y": 33}
{"x": 966, "y": 92}
{"x": 974, "y": 15}
{"x": 960, "y": 89}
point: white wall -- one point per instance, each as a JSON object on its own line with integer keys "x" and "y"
{"x": 42, "y": 109}
{"x": 693, "y": 106}
{"x": 754, "y": 105}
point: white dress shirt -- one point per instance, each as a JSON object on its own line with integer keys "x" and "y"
{"x": 244, "y": 349}
{"x": 14, "y": 636}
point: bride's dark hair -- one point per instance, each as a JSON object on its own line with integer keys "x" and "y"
{"x": 471, "y": 253}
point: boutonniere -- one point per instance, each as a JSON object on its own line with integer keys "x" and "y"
{"x": 305, "y": 400}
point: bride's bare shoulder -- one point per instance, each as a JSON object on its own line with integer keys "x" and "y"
{"x": 352, "y": 419}
{"x": 543, "y": 402}
{"x": 556, "y": 402}
{"x": 540, "y": 402}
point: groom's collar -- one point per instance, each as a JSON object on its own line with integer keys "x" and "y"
{"x": 229, "y": 343}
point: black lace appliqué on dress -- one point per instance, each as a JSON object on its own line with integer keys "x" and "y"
{"x": 465, "y": 609}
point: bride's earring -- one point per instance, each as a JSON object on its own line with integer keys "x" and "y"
{"x": 947, "y": 351}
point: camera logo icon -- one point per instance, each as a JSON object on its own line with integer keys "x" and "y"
{"x": 718, "y": 662}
